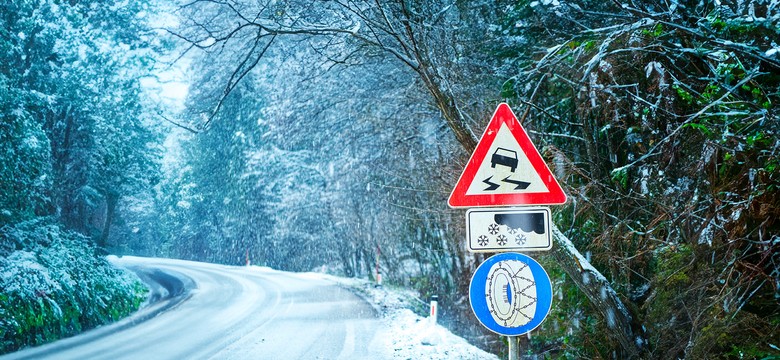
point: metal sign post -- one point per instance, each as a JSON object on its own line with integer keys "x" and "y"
{"x": 514, "y": 348}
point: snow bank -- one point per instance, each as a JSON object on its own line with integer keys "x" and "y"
{"x": 414, "y": 337}
{"x": 409, "y": 336}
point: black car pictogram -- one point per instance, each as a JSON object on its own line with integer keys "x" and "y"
{"x": 504, "y": 157}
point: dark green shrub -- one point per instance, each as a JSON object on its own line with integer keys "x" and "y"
{"x": 53, "y": 285}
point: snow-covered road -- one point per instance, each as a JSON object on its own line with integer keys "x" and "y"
{"x": 225, "y": 312}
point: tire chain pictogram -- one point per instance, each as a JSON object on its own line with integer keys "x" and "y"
{"x": 517, "y": 307}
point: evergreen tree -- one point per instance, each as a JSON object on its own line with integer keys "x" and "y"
{"x": 226, "y": 218}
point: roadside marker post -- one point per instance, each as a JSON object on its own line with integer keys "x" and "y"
{"x": 434, "y": 309}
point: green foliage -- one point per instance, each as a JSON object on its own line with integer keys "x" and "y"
{"x": 508, "y": 89}
{"x": 655, "y": 32}
{"x": 620, "y": 177}
{"x": 54, "y": 286}
{"x": 570, "y": 322}
{"x": 683, "y": 94}
{"x": 74, "y": 138}
{"x": 70, "y": 87}
{"x": 25, "y": 173}
{"x": 672, "y": 263}
{"x": 726, "y": 24}
{"x": 677, "y": 173}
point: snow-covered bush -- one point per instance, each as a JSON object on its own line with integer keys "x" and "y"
{"x": 53, "y": 285}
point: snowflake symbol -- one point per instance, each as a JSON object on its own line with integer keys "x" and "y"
{"x": 493, "y": 229}
{"x": 482, "y": 240}
{"x": 512, "y": 231}
{"x": 520, "y": 239}
{"x": 501, "y": 240}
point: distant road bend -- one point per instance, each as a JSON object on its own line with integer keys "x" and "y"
{"x": 207, "y": 311}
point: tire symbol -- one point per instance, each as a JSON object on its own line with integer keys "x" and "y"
{"x": 482, "y": 240}
{"x": 511, "y": 293}
{"x": 501, "y": 240}
{"x": 493, "y": 229}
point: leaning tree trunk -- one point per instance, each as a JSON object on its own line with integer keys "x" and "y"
{"x": 599, "y": 292}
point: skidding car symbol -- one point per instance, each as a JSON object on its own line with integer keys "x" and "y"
{"x": 504, "y": 157}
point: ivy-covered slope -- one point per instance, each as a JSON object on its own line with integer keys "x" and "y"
{"x": 53, "y": 285}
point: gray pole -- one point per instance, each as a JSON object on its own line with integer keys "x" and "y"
{"x": 514, "y": 348}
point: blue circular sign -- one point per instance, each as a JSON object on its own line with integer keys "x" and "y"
{"x": 510, "y": 294}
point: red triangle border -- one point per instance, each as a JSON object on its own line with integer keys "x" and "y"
{"x": 504, "y": 115}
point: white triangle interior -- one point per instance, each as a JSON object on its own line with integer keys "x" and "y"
{"x": 504, "y": 166}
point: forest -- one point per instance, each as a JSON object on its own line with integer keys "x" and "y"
{"x": 327, "y": 136}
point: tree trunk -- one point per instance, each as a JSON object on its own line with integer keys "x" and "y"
{"x": 450, "y": 112}
{"x": 111, "y": 201}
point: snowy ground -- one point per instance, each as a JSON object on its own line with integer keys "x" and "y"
{"x": 410, "y": 335}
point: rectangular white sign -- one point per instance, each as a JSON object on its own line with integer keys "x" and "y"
{"x": 508, "y": 229}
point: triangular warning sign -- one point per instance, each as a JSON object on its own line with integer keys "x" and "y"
{"x": 506, "y": 169}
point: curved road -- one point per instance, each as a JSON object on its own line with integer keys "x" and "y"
{"x": 207, "y": 311}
